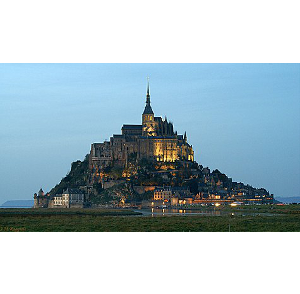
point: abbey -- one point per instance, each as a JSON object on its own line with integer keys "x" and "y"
{"x": 154, "y": 139}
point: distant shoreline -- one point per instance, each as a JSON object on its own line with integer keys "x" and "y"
{"x": 16, "y": 206}
{"x": 292, "y": 199}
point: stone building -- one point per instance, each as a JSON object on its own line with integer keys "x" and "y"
{"x": 172, "y": 194}
{"x": 154, "y": 139}
{"x": 41, "y": 200}
{"x": 162, "y": 193}
{"x": 70, "y": 198}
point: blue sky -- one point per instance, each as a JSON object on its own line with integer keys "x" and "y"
{"x": 243, "y": 119}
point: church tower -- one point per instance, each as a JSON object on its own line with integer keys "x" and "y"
{"x": 148, "y": 122}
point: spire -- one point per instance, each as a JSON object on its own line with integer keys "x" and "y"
{"x": 148, "y": 93}
{"x": 41, "y": 192}
{"x": 148, "y": 109}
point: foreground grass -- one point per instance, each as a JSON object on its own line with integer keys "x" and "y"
{"x": 45, "y": 220}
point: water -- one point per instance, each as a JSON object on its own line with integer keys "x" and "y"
{"x": 194, "y": 212}
{"x": 177, "y": 211}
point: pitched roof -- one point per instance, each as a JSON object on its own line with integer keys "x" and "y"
{"x": 132, "y": 127}
{"x": 72, "y": 191}
{"x": 148, "y": 109}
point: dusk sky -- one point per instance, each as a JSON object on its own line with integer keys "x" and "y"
{"x": 243, "y": 119}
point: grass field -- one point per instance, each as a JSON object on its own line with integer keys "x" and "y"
{"x": 279, "y": 219}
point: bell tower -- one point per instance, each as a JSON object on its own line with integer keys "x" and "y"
{"x": 148, "y": 116}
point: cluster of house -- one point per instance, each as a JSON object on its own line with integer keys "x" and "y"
{"x": 212, "y": 192}
{"x": 210, "y": 188}
{"x": 166, "y": 195}
{"x": 203, "y": 187}
{"x": 216, "y": 186}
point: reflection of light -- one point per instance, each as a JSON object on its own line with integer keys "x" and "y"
{"x": 236, "y": 203}
{"x": 232, "y": 214}
{"x": 152, "y": 209}
{"x": 217, "y": 204}
{"x": 152, "y": 203}
{"x": 163, "y": 210}
{"x": 180, "y": 210}
{"x": 184, "y": 211}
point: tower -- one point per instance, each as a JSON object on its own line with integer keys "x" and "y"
{"x": 40, "y": 199}
{"x": 148, "y": 122}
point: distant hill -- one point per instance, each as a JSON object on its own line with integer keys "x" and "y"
{"x": 288, "y": 199}
{"x": 17, "y": 203}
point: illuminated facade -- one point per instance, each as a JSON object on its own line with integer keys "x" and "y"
{"x": 71, "y": 198}
{"x": 154, "y": 139}
{"x": 162, "y": 193}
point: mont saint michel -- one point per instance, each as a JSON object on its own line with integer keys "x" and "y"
{"x": 147, "y": 165}
{"x": 198, "y": 147}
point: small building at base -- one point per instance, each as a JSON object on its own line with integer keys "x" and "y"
{"x": 70, "y": 198}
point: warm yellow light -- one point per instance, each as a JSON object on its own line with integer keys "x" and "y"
{"x": 217, "y": 204}
{"x": 235, "y": 203}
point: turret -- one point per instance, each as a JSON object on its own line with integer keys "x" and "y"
{"x": 41, "y": 193}
{"x": 40, "y": 199}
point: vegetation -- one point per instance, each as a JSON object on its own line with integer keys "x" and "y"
{"x": 114, "y": 194}
{"x": 279, "y": 219}
{"x": 145, "y": 172}
{"x": 118, "y": 192}
{"x": 78, "y": 176}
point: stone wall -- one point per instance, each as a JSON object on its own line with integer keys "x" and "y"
{"x": 110, "y": 184}
{"x": 142, "y": 189}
